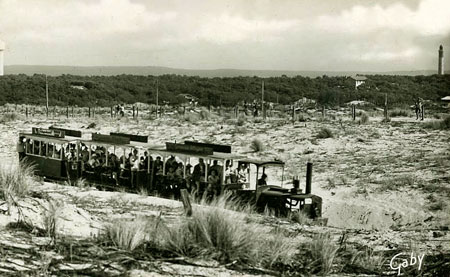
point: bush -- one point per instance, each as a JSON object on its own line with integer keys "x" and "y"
{"x": 399, "y": 112}
{"x": 218, "y": 232}
{"x": 8, "y": 117}
{"x": 241, "y": 121}
{"x": 191, "y": 117}
{"x": 16, "y": 180}
{"x": 127, "y": 234}
{"x": 256, "y": 145}
{"x": 324, "y": 133}
{"x": 364, "y": 118}
{"x": 323, "y": 252}
{"x": 204, "y": 114}
{"x": 300, "y": 217}
{"x": 50, "y": 218}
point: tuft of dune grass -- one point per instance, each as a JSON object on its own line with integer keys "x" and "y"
{"x": 16, "y": 180}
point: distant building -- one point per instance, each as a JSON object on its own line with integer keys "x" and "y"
{"x": 441, "y": 61}
{"x": 78, "y": 87}
{"x": 446, "y": 99}
{"x": 359, "y": 80}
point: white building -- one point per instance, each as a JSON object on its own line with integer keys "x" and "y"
{"x": 2, "y": 47}
{"x": 359, "y": 80}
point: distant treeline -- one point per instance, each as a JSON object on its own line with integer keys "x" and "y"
{"x": 111, "y": 90}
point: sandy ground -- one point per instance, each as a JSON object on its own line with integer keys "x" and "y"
{"x": 380, "y": 182}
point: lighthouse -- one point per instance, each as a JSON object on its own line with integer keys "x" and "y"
{"x": 2, "y": 47}
{"x": 441, "y": 61}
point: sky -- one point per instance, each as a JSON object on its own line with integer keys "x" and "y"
{"x": 328, "y": 35}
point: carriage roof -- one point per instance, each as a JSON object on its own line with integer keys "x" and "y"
{"x": 48, "y": 138}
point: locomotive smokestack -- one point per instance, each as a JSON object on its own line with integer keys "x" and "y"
{"x": 308, "y": 178}
{"x": 441, "y": 61}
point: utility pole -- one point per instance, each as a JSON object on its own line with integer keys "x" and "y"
{"x": 263, "y": 109}
{"x": 157, "y": 96}
{"x": 46, "y": 93}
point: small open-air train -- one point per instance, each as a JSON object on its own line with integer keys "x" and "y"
{"x": 129, "y": 161}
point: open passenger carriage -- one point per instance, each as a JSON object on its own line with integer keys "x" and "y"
{"x": 129, "y": 161}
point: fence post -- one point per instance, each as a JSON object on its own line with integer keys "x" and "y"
{"x": 89, "y": 111}
{"x": 133, "y": 111}
{"x": 186, "y": 202}
{"x": 46, "y": 109}
{"x": 111, "y": 111}
{"x": 137, "y": 112}
{"x": 26, "y": 112}
{"x": 293, "y": 113}
{"x": 67, "y": 111}
{"x": 323, "y": 111}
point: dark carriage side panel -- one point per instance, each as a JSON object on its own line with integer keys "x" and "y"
{"x": 215, "y": 147}
{"x": 110, "y": 139}
{"x": 131, "y": 137}
{"x": 68, "y": 132}
{"x": 189, "y": 149}
{"x": 48, "y": 167}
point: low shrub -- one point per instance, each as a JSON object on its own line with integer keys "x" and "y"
{"x": 127, "y": 234}
{"x": 323, "y": 253}
{"x": 204, "y": 114}
{"x": 8, "y": 117}
{"x": 218, "y": 232}
{"x": 364, "y": 118}
{"x": 50, "y": 218}
{"x": 256, "y": 145}
{"x": 398, "y": 113}
{"x": 324, "y": 133}
{"x": 241, "y": 121}
{"x": 16, "y": 180}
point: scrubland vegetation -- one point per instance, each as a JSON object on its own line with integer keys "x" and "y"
{"x": 110, "y": 90}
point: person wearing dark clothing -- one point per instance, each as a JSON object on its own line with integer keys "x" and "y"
{"x": 199, "y": 174}
{"x": 263, "y": 180}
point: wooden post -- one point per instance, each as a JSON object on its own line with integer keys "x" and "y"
{"x": 72, "y": 112}
{"x": 26, "y": 112}
{"x": 46, "y": 93}
{"x": 293, "y": 113}
{"x": 385, "y": 108}
{"x": 89, "y": 111}
{"x": 323, "y": 111}
{"x": 186, "y": 202}
{"x": 157, "y": 98}
{"x": 184, "y": 110}
{"x": 137, "y": 112}
{"x": 263, "y": 108}
{"x": 133, "y": 111}
{"x": 111, "y": 112}
{"x": 67, "y": 111}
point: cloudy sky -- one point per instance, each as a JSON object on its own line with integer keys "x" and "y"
{"x": 332, "y": 35}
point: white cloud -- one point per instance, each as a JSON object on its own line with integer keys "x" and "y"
{"x": 62, "y": 20}
{"x": 288, "y": 34}
{"x": 431, "y": 18}
{"x": 228, "y": 29}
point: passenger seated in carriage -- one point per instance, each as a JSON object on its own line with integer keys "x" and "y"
{"x": 263, "y": 180}
{"x": 158, "y": 166}
{"x": 213, "y": 188}
{"x": 188, "y": 177}
{"x": 241, "y": 174}
{"x": 198, "y": 175}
